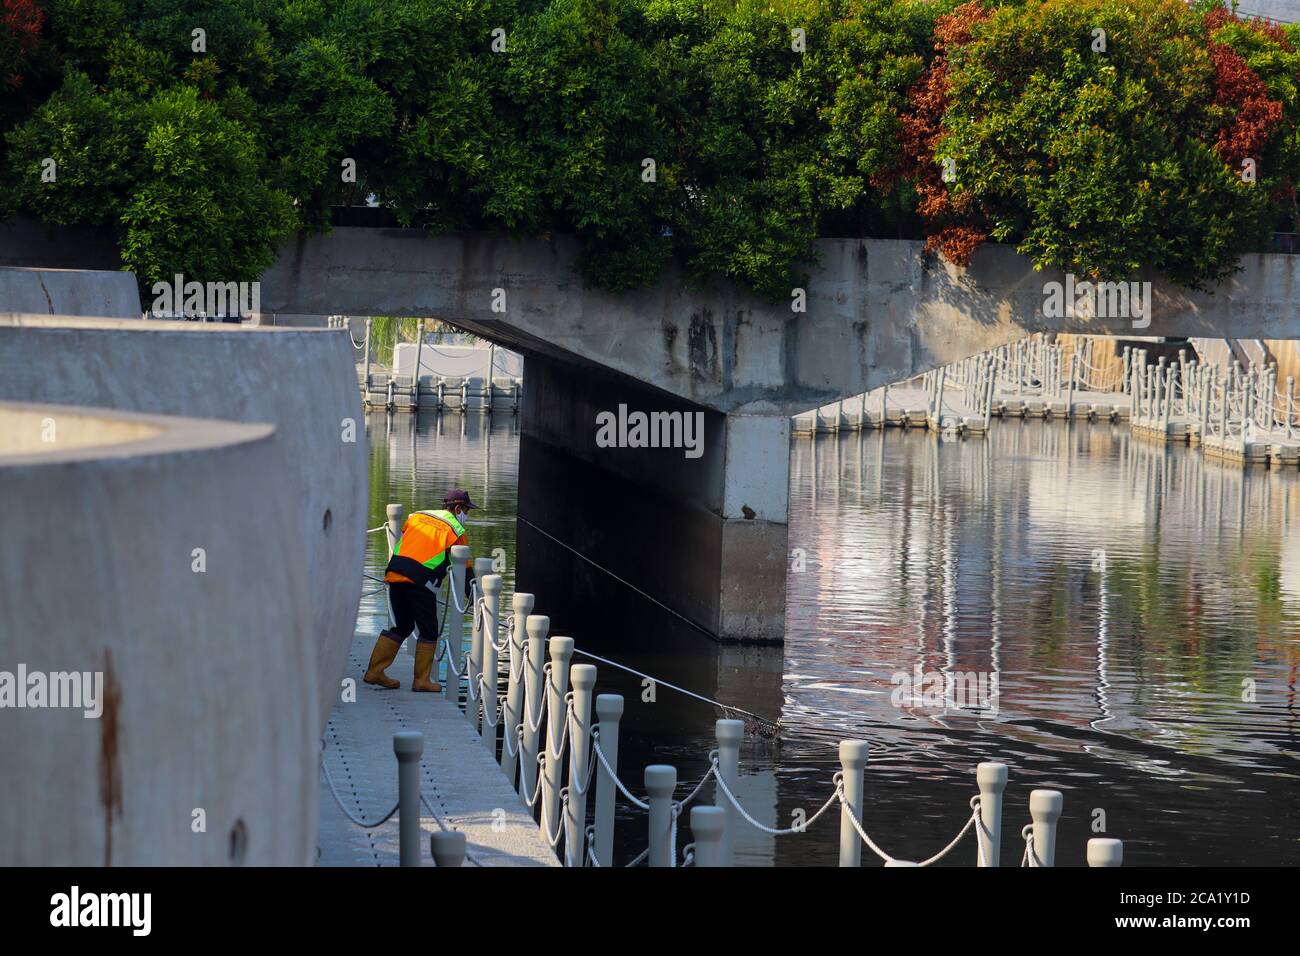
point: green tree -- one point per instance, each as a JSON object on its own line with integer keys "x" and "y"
{"x": 1102, "y": 159}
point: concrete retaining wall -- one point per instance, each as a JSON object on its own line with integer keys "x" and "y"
{"x": 69, "y": 292}
{"x": 300, "y": 380}
{"x": 206, "y": 712}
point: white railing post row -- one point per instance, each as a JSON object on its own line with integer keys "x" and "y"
{"x": 1105, "y": 851}
{"x": 1045, "y": 810}
{"x": 408, "y": 745}
{"x": 482, "y": 569}
{"x": 992, "y": 781}
{"x": 729, "y": 734}
{"x": 660, "y": 782}
{"x": 456, "y": 624}
{"x": 534, "y": 702}
{"x": 447, "y": 847}
{"x": 553, "y": 747}
{"x": 513, "y": 711}
{"x": 492, "y": 585}
{"x": 853, "y": 760}
{"x": 609, "y": 710}
{"x": 707, "y": 826}
{"x": 583, "y": 678}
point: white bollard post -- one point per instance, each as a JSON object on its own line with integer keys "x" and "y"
{"x": 660, "y": 781}
{"x": 408, "y": 745}
{"x": 556, "y": 721}
{"x": 1069, "y": 386}
{"x": 989, "y": 385}
{"x": 609, "y": 710}
{"x": 938, "y": 397}
{"x": 419, "y": 364}
{"x": 394, "y": 529}
{"x": 455, "y": 637}
{"x": 1223, "y": 417}
{"x": 1169, "y": 402}
{"x": 1290, "y": 401}
{"x": 1105, "y": 851}
{"x": 447, "y": 847}
{"x": 707, "y": 826}
{"x": 492, "y": 585}
{"x": 368, "y": 321}
{"x": 583, "y": 677}
{"x": 534, "y": 702}
{"x": 516, "y": 665}
{"x": 729, "y": 734}
{"x": 1205, "y": 407}
{"x": 853, "y": 760}
{"x": 992, "y": 781}
{"x": 1045, "y": 810}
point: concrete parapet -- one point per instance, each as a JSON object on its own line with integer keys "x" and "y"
{"x": 129, "y": 595}
{"x": 301, "y": 380}
{"x": 69, "y": 292}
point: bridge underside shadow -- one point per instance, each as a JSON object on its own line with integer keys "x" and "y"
{"x": 641, "y": 530}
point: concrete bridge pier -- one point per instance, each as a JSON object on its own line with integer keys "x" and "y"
{"x": 698, "y": 526}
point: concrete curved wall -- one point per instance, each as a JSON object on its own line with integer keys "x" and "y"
{"x": 303, "y": 381}
{"x": 205, "y": 702}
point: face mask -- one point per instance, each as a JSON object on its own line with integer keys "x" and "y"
{"x": 463, "y": 518}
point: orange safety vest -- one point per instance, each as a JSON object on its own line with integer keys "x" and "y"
{"x": 423, "y": 553}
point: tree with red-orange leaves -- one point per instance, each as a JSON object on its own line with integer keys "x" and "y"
{"x": 1099, "y": 136}
{"x": 954, "y": 228}
{"x": 20, "y": 31}
{"x": 1257, "y": 99}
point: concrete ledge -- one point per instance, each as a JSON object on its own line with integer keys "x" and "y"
{"x": 125, "y": 557}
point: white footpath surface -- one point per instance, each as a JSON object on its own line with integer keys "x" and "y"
{"x": 458, "y": 777}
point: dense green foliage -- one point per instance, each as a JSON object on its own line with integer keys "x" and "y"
{"x": 723, "y": 135}
{"x": 1106, "y": 151}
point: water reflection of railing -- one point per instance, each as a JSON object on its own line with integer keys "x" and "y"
{"x": 538, "y": 722}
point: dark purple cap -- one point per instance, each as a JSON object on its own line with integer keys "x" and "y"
{"x": 458, "y": 496}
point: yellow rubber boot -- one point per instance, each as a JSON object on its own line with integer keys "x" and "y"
{"x": 384, "y": 653}
{"x": 426, "y": 652}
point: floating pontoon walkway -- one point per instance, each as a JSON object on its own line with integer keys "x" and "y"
{"x": 458, "y": 778}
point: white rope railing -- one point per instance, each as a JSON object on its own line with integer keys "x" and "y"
{"x": 539, "y": 701}
{"x": 364, "y": 824}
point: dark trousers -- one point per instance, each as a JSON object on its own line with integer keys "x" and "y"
{"x": 413, "y": 606}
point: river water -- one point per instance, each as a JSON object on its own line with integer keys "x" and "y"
{"x": 1121, "y": 619}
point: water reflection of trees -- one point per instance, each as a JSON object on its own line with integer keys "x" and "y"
{"x": 986, "y": 555}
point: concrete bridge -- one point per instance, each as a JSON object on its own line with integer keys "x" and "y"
{"x": 876, "y": 311}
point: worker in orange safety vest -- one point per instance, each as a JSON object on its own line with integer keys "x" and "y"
{"x": 416, "y": 570}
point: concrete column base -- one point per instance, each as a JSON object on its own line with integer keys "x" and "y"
{"x": 752, "y": 586}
